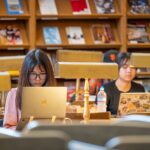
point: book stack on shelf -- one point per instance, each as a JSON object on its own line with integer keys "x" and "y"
{"x": 104, "y": 6}
{"x": 139, "y": 6}
{"x": 137, "y": 33}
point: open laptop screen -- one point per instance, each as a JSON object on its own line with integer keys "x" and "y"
{"x": 44, "y": 102}
{"x": 133, "y": 103}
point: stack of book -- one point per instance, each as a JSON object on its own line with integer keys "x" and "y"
{"x": 139, "y": 6}
{"x": 137, "y": 33}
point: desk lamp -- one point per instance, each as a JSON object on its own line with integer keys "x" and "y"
{"x": 86, "y": 70}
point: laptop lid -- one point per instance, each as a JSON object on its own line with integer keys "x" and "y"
{"x": 131, "y": 103}
{"x": 44, "y": 102}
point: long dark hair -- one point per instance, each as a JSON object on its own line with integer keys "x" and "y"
{"x": 33, "y": 58}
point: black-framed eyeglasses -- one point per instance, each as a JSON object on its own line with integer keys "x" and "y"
{"x": 33, "y": 76}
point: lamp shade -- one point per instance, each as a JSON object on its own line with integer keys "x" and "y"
{"x": 141, "y": 60}
{"x": 86, "y": 70}
{"x": 79, "y": 56}
{"x": 9, "y": 63}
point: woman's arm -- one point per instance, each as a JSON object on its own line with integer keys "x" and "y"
{"x": 10, "y": 115}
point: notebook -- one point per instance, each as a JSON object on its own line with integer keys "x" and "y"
{"x": 44, "y": 102}
{"x": 131, "y": 103}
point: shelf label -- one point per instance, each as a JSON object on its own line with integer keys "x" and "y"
{"x": 8, "y": 19}
{"x": 49, "y": 18}
{"x": 15, "y": 48}
{"x": 53, "y": 48}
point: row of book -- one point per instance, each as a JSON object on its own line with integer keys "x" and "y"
{"x": 102, "y": 33}
{"x": 48, "y": 7}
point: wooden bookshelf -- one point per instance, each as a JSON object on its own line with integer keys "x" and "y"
{"x": 4, "y": 15}
{"x": 65, "y": 11}
{"x": 87, "y": 33}
{"x": 21, "y": 22}
{"x": 21, "y": 26}
{"x": 32, "y": 23}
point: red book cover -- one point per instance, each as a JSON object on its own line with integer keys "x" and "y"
{"x": 83, "y": 5}
{"x": 75, "y": 5}
{"x": 80, "y": 6}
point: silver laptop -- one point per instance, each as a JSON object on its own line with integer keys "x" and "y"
{"x": 44, "y": 102}
{"x": 131, "y": 103}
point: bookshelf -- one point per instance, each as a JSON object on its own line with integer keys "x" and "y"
{"x": 65, "y": 17}
{"x": 20, "y": 21}
{"x": 32, "y": 22}
{"x": 140, "y": 18}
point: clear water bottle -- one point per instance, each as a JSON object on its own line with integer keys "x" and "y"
{"x": 101, "y": 100}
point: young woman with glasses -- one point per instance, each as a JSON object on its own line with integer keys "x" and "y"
{"x": 36, "y": 70}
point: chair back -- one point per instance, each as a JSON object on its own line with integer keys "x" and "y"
{"x": 91, "y": 133}
{"x": 129, "y": 142}
{"x": 39, "y": 140}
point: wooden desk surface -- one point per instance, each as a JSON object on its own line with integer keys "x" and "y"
{"x": 46, "y": 122}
